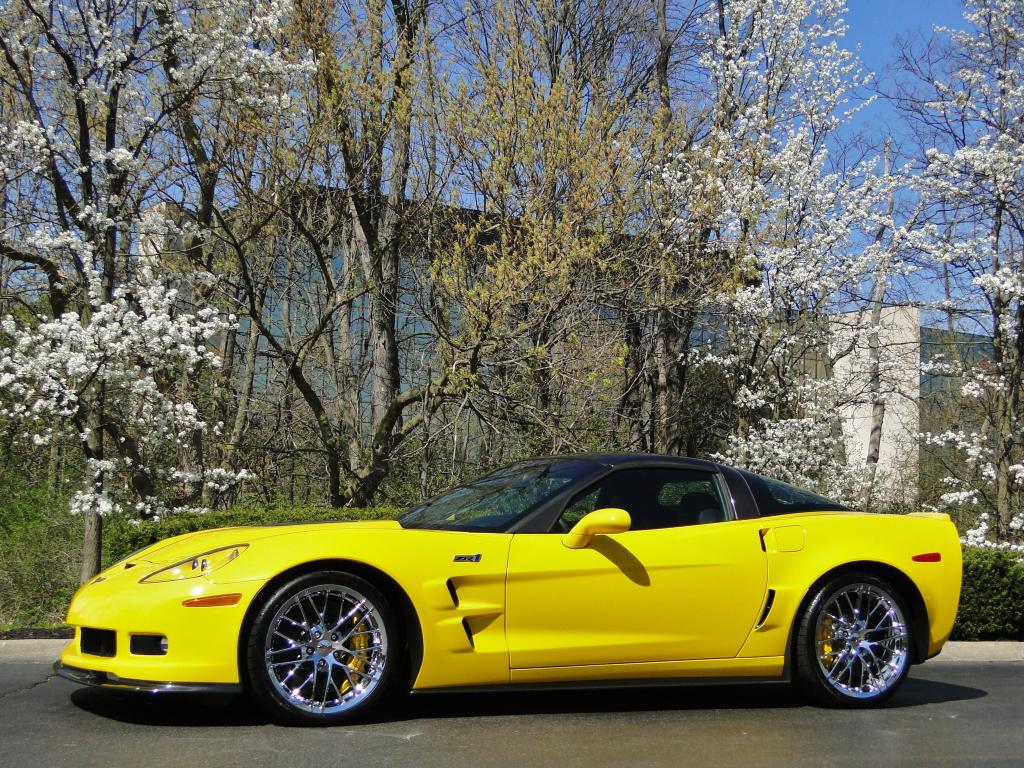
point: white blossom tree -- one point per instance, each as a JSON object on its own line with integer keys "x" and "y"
{"x": 787, "y": 232}
{"x": 965, "y": 94}
{"x": 114, "y": 108}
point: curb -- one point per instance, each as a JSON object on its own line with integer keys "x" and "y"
{"x": 31, "y": 651}
{"x": 982, "y": 650}
{"x": 47, "y": 651}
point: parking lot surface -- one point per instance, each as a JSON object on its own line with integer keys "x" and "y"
{"x": 948, "y": 713}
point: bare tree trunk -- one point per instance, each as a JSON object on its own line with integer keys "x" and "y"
{"x": 92, "y": 522}
{"x": 874, "y": 353}
{"x": 55, "y": 465}
{"x": 664, "y": 410}
{"x": 878, "y": 293}
{"x": 242, "y": 407}
{"x": 633, "y": 384}
{"x": 92, "y": 544}
{"x": 425, "y": 450}
{"x": 1002, "y": 418}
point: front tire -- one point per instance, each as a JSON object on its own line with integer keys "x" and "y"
{"x": 854, "y": 642}
{"x": 323, "y": 650}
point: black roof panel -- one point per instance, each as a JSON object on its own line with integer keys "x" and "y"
{"x": 627, "y": 459}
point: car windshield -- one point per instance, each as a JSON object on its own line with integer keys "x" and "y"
{"x": 496, "y": 501}
{"x": 774, "y": 497}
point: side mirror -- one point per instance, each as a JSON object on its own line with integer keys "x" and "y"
{"x": 609, "y": 520}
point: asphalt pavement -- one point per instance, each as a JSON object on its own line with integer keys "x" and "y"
{"x": 950, "y": 712}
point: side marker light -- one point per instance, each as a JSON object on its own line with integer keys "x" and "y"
{"x": 212, "y": 601}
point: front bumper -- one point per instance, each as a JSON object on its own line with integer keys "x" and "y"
{"x": 202, "y": 642}
{"x": 110, "y": 680}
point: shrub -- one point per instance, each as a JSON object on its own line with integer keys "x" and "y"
{"x": 992, "y": 596}
{"x": 40, "y": 553}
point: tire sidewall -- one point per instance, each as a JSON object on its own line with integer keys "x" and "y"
{"x": 267, "y": 694}
{"x": 811, "y": 677}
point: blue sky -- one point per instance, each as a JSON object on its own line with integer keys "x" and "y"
{"x": 875, "y": 24}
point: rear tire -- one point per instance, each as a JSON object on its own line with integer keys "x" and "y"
{"x": 854, "y": 642}
{"x": 323, "y": 650}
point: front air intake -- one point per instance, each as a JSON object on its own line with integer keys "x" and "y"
{"x": 149, "y": 645}
{"x": 98, "y": 642}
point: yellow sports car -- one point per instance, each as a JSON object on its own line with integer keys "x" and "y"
{"x": 598, "y": 569}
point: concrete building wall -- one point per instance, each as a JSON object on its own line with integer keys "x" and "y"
{"x": 898, "y": 469}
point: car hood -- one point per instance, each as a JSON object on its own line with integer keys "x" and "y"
{"x": 189, "y": 545}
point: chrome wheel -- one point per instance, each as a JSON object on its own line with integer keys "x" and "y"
{"x": 862, "y": 642}
{"x": 326, "y": 649}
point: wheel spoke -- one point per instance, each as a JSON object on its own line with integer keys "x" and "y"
{"x": 878, "y": 604}
{"x": 372, "y": 632}
{"x": 838, "y": 619}
{"x": 291, "y": 642}
{"x": 839, "y": 660}
{"x": 360, "y": 672}
{"x": 348, "y": 675}
{"x": 289, "y": 649}
{"x": 357, "y": 653}
{"x": 317, "y": 671}
{"x": 882, "y": 622}
{"x": 304, "y": 683}
{"x": 316, "y": 613}
{"x": 332, "y": 684}
{"x": 291, "y": 672}
{"x": 355, "y": 609}
{"x": 302, "y": 610}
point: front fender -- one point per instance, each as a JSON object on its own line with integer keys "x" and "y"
{"x": 454, "y": 580}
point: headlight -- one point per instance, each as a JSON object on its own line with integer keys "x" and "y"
{"x": 197, "y": 565}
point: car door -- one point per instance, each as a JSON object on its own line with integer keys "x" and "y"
{"x": 685, "y": 582}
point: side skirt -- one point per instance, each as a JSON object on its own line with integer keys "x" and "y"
{"x": 591, "y": 685}
{"x": 697, "y": 672}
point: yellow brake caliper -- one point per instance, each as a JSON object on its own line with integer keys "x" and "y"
{"x": 825, "y": 638}
{"x": 359, "y": 642}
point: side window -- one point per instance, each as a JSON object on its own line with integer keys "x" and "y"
{"x": 581, "y": 505}
{"x": 774, "y": 497}
{"x": 654, "y": 498}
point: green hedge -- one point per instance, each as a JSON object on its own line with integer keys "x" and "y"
{"x": 122, "y": 537}
{"x": 992, "y": 596}
{"x": 40, "y": 554}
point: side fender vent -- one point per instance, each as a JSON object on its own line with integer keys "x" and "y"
{"x": 768, "y": 603}
{"x": 469, "y": 633}
{"x": 451, "y": 591}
